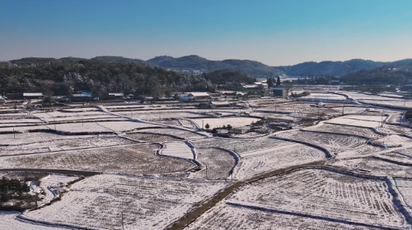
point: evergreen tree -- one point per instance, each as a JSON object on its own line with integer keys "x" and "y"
{"x": 270, "y": 82}
{"x": 278, "y": 81}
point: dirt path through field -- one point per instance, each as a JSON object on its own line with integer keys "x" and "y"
{"x": 196, "y": 213}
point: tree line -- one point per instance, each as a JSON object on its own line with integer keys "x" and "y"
{"x": 100, "y": 78}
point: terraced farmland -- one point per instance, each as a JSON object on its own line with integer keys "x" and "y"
{"x": 100, "y": 201}
{"x": 135, "y": 159}
{"x": 331, "y": 195}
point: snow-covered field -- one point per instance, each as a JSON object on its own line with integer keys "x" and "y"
{"x": 335, "y": 143}
{"x": 276, "y": 158}
{"x": 307, "y": 199}
{"x": 350, "y": 130}
{"x": 178, "y": 149}
{"x": 324, "y": 96}
{"x": 8, "y": 221}
{"x": 219, "y": 163}
{"x": 62, "y": 143}
{"x": 359, "y": 120}
{"x": 146, "y": 203}
{"x": 135, "y": 159}
{"x": 184, "y": 134}
{"x": 373, "y": 166}
{"x": 219, "y": 122}
{"x": 225, "y": 216}
{"x": 151, "y": 175}
{"x": 161, "y": 115}
{"x": 405, "y": 188}
{"x": 241, "y": 146}
{"x": 326, "y": 194}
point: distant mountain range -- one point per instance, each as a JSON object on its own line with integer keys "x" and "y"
{"x": 196, "y": 64}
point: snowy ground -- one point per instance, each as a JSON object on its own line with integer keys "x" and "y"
{"x": 146, "y": 203}
{"x": 178, "y": 149}
{"x": 359, "y": 120}
{"x": 134, "y": 159}
{"x": 8, "y": 221}
{"x": 154, "y": 185}
{"x": 219, "y": 122}
{"x": 311, "y": 199}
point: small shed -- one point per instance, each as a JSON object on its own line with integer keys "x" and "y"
{"x": 218, "y": 104}
{"x": 33, "y": 95}
{"x": 2, "y": 100}
{"x": 81, "y": 97}
{"x": 279, "y": 92}
{"x": 115, "y": 96}
{"x": 198, "y": 96}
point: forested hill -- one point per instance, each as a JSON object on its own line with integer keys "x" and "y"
{"x": 68, "y": 75}
{"x": 195, "y": 63}
{"x": 402, "y": 74}
{"x": 329, "y": 68}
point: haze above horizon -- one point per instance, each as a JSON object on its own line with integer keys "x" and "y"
{"x": 274, "y": 32}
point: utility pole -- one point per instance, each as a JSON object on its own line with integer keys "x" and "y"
{"x": 122, "y": 221}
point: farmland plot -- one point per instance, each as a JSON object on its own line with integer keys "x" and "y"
{"x": 350, "y": 109}
{"x": 219, "y": 163}
{"x": 152, "y": 138}
{"x": 219, "y": 122}
{"x": 161, "y": 115}
{"x": 79, "y": 127}
{"x": 406, "y": 152}
{"x": 359, "y": 120}
{"x": 396, "y": 157}
{"x": 23, "y": 128}
{"x": 405, "y": 188}
{"x": 392, "y": 141}
{"x": 30, "y": 138}
{"x": 69, "y": 143}
{"x": 241, "y": 146}
{"x": 351, "y": 130}
{"x": 15, "y": 121}
{"x": 276, "y": 158}
{"x": 373, "y": 166}
{"x": 395, "y": 129}
{"x": 327, "y": 194}
{"x": 99, "y": 201}
{"x": 335, "y": 143}
{"x": 53, "y": 185}
{"x": 392, "y": 102}
{"x": 125, "y": 125}
{"x": 8, "y": 221}
{"x": 66, "y": 116}
{"x": 188, "y": 135}
{"x": 226, "y": 216}
{"x": 136, "y": 159}
{"x": 178, "y": 149}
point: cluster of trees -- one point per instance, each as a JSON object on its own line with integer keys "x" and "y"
{"x": 408, "y": 115}
{"x": 272, "y": 82}
{"x": 315, "y": 80}
{"x": 12, "y": 189}
{"x": 392, "y": 76}
{"x": 65, "y": 77}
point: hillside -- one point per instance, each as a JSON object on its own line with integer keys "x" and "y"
{"x": 383, "y": 75}
{"x": 193, "y": 63}
{"x": 70, "y": 75}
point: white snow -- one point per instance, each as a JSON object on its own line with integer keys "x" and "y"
{"x": 99, "y": 201}
{"x": 219, "y": 122}
{"x": 178, "y": 149}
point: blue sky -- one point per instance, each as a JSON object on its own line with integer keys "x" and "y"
{"x": 275, "y": 32}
